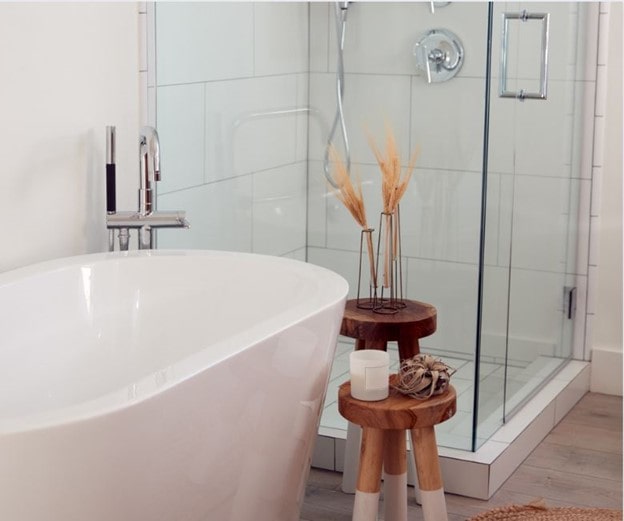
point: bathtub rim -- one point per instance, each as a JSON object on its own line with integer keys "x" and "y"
{"x": 146, "y": 387}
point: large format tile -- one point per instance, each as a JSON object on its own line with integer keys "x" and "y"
{"x": 181, "y": 133}
{"x": 280, "y": 37}
{"x": 452, "y": 288}
{"x": 219, "y": 213}
{"x": 251, "y": 125}
{"x": 279, "y": 209}
{"x": 222, "y": 30}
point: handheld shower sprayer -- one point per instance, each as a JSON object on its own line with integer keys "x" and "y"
{"x": 111, "y": 188}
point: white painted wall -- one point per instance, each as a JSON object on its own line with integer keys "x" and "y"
{"x": 67, "y": 71}
{"x": 607, "y": 322}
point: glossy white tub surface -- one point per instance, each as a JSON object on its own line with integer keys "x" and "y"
{"x": 162, "y": 385}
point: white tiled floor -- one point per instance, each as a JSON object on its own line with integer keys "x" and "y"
{"x": 456, "y": 433}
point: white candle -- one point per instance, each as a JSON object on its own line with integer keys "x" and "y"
{"x": 370, "y": 369}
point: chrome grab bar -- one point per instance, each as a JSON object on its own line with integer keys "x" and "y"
{"x": 522, "y": 94}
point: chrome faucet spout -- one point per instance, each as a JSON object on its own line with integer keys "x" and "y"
{"x": 149, "y": 154}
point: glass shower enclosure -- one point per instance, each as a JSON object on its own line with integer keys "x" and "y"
{"x": 245, "y": 97}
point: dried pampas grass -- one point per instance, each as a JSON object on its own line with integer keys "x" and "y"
{"x": 393, "y": 185}
{"x": 353, "y": 200}
{"x": 346, "y": 193}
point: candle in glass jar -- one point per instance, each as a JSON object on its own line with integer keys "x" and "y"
{"x": 369, "y": 369}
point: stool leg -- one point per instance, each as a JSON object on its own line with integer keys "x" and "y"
{"x": 411, "y": 472}
{"x": 408, "y": 347}
{"x": 395, "y": 475}
{"x": 369, "y": 475}
{"x": 351, "y": 457}
{"x": 429, "y": 476}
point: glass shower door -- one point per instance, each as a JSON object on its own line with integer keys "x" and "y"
{"x": 535, "y": 170}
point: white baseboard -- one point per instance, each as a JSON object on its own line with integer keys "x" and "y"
{"x": 606, "y": 371}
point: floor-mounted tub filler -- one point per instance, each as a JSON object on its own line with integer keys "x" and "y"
{"x": 160, "y": 385}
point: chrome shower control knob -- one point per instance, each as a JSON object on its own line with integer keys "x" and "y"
{"x": 439, "y": 55}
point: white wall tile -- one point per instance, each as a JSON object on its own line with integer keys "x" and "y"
{"x": 506, "y": 208}
{"x": 219, "y": 214}
{"x": 345, "y": 263}
{"x": 280, "y": 37}
{"x": 599, "y": 134}
{"x": 528, "y": 323}
{"x": 224, "y": 32}
{"x": 594, "y": 241}
{"x": 542, "y": 149}
{"x": 318, "y": 196}
{"x": 583, "y": 117}
{"x": 574, "y": 238}
{"x": 452, "y": 288}
{"x": 601, "y": 91}
{"x": 181, "y": 132}
{"x": 279, "y": 210}
{"x": 380, "y": 37}
{"x": 578, "y": 342}
{"x": 582, "y": 229}
{"x": 246, "y": 127}
{"x": 319, "y": 35}
{"x": 495, "y": 310}
{"x": 493, "y": 218}
{"x": 540, "y": 223}
{"x": 370, "y": 102}
{"x": 342, "y": 230}
{"x": 603, "y": 39}
{"x": 445, "y": 145}
{"x": 588, "y": 40}
{"x": 441, "y": 215}
{"x": 302, "y": 116}
{"x": 592, "y": 280}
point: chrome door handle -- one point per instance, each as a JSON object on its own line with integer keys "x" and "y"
{"x": 522, "y": 94}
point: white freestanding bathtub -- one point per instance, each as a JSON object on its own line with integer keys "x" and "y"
{"x": 147, "y": 386}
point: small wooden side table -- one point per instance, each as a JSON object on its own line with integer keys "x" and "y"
{"x": 383, "y": 445}
{"x": 374, "y": 331}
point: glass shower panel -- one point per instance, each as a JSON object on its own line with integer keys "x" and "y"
{"x": 535, "y": 172}
{"x": 441, "y": 212}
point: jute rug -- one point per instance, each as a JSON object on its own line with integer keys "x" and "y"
{"x": 538, "y": 511}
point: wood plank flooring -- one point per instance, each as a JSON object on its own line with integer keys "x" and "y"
{"x": 578, "y": 464}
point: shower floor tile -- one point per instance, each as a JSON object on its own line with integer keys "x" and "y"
{"x": 457, "y": 432}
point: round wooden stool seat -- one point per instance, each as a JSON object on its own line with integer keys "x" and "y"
{"x": 397, "y": 411}
{"x": 374, "y": 330}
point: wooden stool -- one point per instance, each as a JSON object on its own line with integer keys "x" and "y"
{"x": 374, "y": 331}
{"x": 383, "y": 445}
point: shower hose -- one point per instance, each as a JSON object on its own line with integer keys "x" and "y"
{"x": 339, "y": 120}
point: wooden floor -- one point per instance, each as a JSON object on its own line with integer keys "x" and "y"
{"x": 578, "y": 464}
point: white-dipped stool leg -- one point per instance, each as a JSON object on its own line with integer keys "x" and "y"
{"x": 412, "y": 475}
{"x": 365, "y": 506}
{"x": 395, "y": 475}
{"x": 351, "y": 457}
{"x": 429, "y": 476}
{"x": 369, "y": 475}
{"x": 434, "y": 505}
